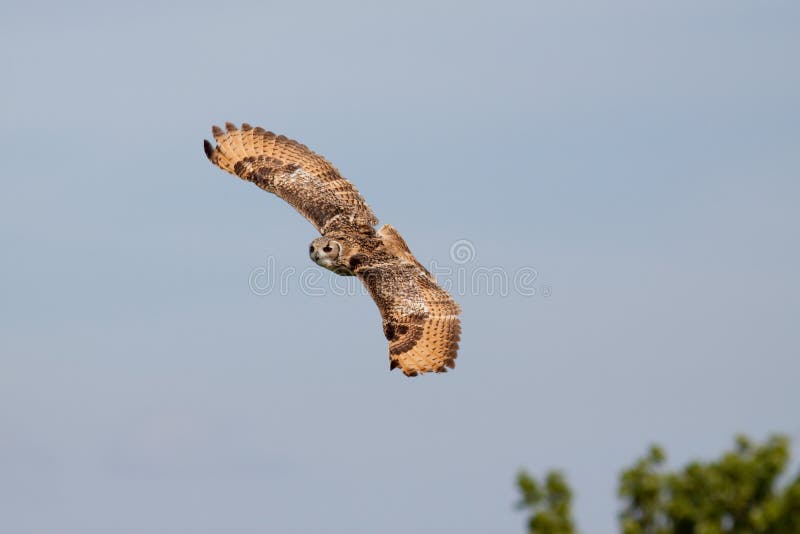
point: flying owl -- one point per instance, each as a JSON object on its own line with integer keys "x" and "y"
{"x": 420, "y": 319}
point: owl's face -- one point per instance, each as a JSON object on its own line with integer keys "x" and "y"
{"x": 326, "y": 252}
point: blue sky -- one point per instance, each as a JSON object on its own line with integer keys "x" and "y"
{"x": 642, "y": 158}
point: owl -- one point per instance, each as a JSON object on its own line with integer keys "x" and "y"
{"x": 420, "y": 319}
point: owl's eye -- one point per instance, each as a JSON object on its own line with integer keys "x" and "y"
{"x": 311, "y": 248}
{"x": 326, "y": 248}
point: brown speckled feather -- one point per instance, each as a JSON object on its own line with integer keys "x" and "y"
{"x": 420, "y": 319}
{"x": 290, "y": 170}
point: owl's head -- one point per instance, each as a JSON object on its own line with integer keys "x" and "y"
{"x": 326, "y": 253}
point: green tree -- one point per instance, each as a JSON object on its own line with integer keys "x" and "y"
{"x": 550, "y": 503}
{"x": 739, "y": 493}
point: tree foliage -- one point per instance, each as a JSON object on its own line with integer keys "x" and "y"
{"x": 550, "y": 503}
{"x": 738, "y": 493}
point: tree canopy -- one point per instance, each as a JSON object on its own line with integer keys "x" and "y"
{"x": 738, "y": 493}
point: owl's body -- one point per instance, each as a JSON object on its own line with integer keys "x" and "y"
{"x": 420, "y": 319}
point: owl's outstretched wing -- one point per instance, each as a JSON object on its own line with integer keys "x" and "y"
{"x": 420, "y": 319}
{"x": 282, "y": 166}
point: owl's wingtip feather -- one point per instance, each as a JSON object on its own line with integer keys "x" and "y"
{"x": 209, "y": 150}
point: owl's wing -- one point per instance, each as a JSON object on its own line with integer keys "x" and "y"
{"x": 420, "y": 319}
{"x": 282, "y": 166}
